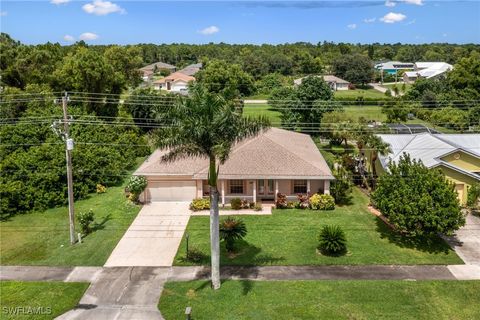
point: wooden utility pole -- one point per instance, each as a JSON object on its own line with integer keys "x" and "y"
{"x": 64, "y": 133}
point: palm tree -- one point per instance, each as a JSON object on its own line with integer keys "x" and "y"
{"x": 232, "y": 229}
{"x": 377, "y": 147}
{"x": 206, "y": 125}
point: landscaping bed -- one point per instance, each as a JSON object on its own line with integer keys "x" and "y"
{"x": 39, "y": 300}
{"x": 385, "y": 299}
{"x": 290, "y": 237}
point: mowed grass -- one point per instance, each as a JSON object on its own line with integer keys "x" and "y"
{"x": 47, "y": 299}
{"x": 365, "y": 93}
{"x": 367, "y": 112}
{"x": 42, "y": 238}
{"x": 290, "y": 237}
{"x": 255, "y": 110}
{"x": 323, "y": 300}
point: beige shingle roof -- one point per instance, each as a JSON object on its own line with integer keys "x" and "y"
{"x": 176, "y": 76}
{"x": 275, "y": 153}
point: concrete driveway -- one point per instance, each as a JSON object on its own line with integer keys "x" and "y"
{"x": 154, "y": 236}
{"x": 466, "y": 241}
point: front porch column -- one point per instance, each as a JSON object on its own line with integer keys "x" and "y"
{"x": 308, "y": 186}
{"x": 326, "y": 187}
{"x": 201, "y": 188}
{"x": 223, "y": 192}
{"x": 276, "y": 189}
{"x": 255, "y": 191}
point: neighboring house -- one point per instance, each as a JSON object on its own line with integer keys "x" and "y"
{"x": 149, "y": 70}
{"x": 456, "y": 155}
{"x": 275, "y": 161}
{"x": 192, "y": 69}
{"x": 334, "y": 82}
{"x": 392, "y": 67}
{"x": 176, "y": 82}
{"x": 426, "y": 70}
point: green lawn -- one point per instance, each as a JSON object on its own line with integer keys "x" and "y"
{"x": 399, "y": 86}
{"x": 447, "y": 300}
{"x": 42, "y": 238}
{"x": 365, "y": 93}
{"x": 367, "y": 112}
{"x": 258, "y": 96}
{"x": 38, "y": 300}
{"x": 262, "y": 110}
{"x": 289, "y": 237}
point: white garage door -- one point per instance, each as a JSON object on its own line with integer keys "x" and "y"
{"x": 172, "y": 191}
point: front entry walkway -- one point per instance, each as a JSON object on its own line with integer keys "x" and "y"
{"x": 154, "y": 236}
{"x": 466, "y": 241}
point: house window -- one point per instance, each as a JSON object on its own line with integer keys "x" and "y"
{"x": 236, "y": 186}
{"x": 299, "y": 186}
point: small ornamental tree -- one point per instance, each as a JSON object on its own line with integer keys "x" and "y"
{"x": 416, "y": 200}
{"x": 232, "y": 229}
{"x": 135, "y": 186}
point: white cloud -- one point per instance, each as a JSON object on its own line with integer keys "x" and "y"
{"x": 59, "y": 1}
{"x": 209, "y": 30}
{"x": 352, "y": 26}
{"x": 3, "y": 13}
{"x": 101, "y": 8}
{"x": 88, "y": 36}
{"x": 410, "y": 22}
{"x": 393, "y": 17}
{"x": 68, "y": 38}
{"x": 415, "y": 2}
{"x": 390, "y": 3}
{"x": 371, "y": 20}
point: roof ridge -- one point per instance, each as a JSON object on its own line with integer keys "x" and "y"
{"x": 405, "y": 146}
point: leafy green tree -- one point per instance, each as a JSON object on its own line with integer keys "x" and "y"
{"x": 218, "y": 76}
{"x": 341, "y": 187}
{"x": 397, "y": 112}
{"x": 125, "y": 62}
{"x": 206, "y": 125}
{"x": 354, "y": 68}
{"x": 418, "y": 201}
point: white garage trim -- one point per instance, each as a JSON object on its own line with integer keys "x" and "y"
{"x": 171, "y": 191}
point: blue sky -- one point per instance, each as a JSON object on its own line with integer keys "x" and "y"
{"x": 129, "y": 22}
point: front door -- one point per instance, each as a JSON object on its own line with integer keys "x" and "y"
{"x": 266, "y": 187}
{"x": 261, "y": 187}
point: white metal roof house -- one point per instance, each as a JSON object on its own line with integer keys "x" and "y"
{"x": 456, "y": 155}
{"x": 258, "y": 168}
{"x": 391, "y": 67}
{"x": 334, "y": 82}
{"x": 426, "y": 70}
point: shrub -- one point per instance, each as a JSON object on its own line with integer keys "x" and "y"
{"x": 302, "y": 201}
{"x": 200, "y": 204}
{"x": 292, "y": 204}
{"x": 245, "y": 204}
{"x": 85, "y": 219}
{"x": 257, "y": 207}
{"x": 473, "y": 196}
{"x": 322, "y": 202}
{"x": 332, "y": 240}
{"x": 232, "y": 229}
{"x": 341, "y": 187}
{"x": 195, "y": 255}
{"x": 135, "y": 186}
{"x": 281, "y": 202}
{"x": 236, "y": 203}
{"x": 101, "y": 188}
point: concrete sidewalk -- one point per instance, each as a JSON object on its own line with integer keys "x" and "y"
{"x": 153, "y": 237}
{"x": 466, "y": 241}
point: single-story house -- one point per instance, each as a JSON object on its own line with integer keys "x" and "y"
{"x": 392, "y": 67}
{"x": 176, "y": 82}
{"x": 192, "y": 69}
{"x": 334, "y": 82}
{"x": 426, "y": 70}
{"x": 456, "y": 155}
{"x": 148, "y": 71}
{"x": 275, "y": 161}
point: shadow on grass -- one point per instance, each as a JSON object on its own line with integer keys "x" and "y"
{"x": 430, "y": 244}
{"x": 101, "y": 225}
{"x": 247, "y": 254}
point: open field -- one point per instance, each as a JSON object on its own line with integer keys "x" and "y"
{"x": 365, "y": 93}
{"x": 42, "y": 238}
{"x": 47, "y": 299}
{"x": 323, "y": 300}
{"x": 255, "y": 110}
{"x": 290, "y": 237}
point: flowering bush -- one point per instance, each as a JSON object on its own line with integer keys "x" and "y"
{"x": 135, "y": 186}
{"x": 281, "y": 202}
{"x": 200, "y": 204}
{"x": 101, "y": 188}
{"x": 303, "y": 202}
{"x": 322, "y": 202}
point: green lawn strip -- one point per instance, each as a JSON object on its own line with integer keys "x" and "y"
{"x": 366, "y": 112}
{"x": 323, "y": 300}
{"x": 399, "y": 86}
{"x": 365, "y": 93}
{"x": 39, "y": 300}
{"x": 258, "y": 96}
{"x": 42, "y": 238}
{"x": 290, "y": 237}
{"x": 255, "y": 110}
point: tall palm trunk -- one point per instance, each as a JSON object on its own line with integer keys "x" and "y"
{"x": 214, "y": 225}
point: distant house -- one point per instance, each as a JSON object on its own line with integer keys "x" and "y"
{"x": 456, "y": 155}
{"x": 426, "y": 70}
{"x": 392, "y": 67}
{"x": 334, "y": 82}
{"x": 176, "y": 82}
{"x": 149, "y": 70}
{"x": 192, "y": 69}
